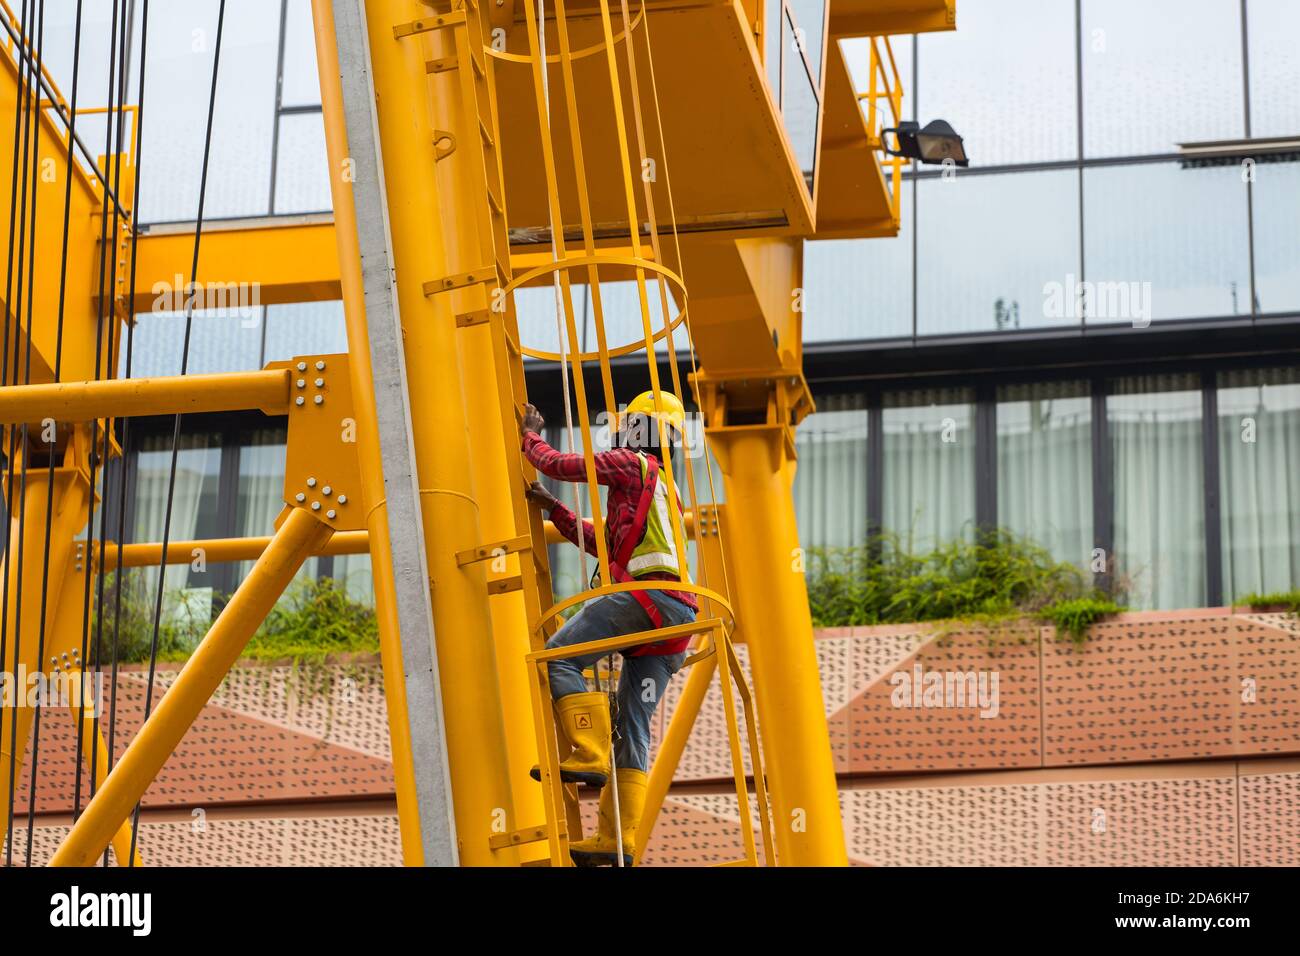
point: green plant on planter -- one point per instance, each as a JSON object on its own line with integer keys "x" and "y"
{"x": 1288, "y": 600}
{"x": 992, "y": 582}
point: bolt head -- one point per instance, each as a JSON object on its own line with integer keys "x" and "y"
{"x": 302, "y": 366}
{"x": 331, "y": 513}
{"x": 301, "y": 383}
{"x": 326, "y": 491}
{"x": 299, "y": 401}
{"x": 311, "y": 482}
{"x": 320, "y": 366}
{"x": 315, "y": 506}
{"x": 320, "y": 399}
{"x": 300, "y": 497}
{"x": 343, "y": 499}
{"x": 320, "y": 382}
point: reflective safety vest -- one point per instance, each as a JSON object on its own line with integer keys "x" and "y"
{"x": 657, "y": 549}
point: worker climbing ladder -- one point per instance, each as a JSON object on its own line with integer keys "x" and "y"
{"x": 486, "y": 297}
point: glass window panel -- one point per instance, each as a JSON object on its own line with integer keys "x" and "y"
{"x": 187, "y": 594}
{"x": 1259, "y": 474}
{"x": 1175, "y": 239}
{"x": 809, "y": 16}
{"x": 929, "y": 479}
{"x": 860, "y": 288}
{"x": 301, "y": 167}
{"x": 228, "y": 340}
{"x": 182, "y": 38}
{"x": 799, "y": 109}
{"x": 830, "y": 484}
{"x": 1273, "y": 31}
{"x": 992, "y": 249}
{"x": 353, "y": 572}
{"x": 261, "y": 491}
{"x": 1159, "y": 73}
{"x": 1157, "y": 459}
{"x": 1045, "y": 466}
{"x": 1277, "y": 235}
{"x": 773, "y": 17}
{"x": 1005, "y": 80}
{"x": 304, "y": 328}
{"x": 301, "y": 84}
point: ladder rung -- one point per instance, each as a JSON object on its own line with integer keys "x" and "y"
{"x": 505, "y": 585}
{"x": 519, "y": 837}
{"x": 485, "y": 552}
{"x": 441, "y": 65}
{"x": 440, "y": 22}
{"x": 459, "y": 281}
{"x": 487, "y": 136}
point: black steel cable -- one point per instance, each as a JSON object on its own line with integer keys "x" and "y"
{"x": 58, "y": 348}
{"x": 30, "y": 104}
{"x": 27, "y": 378}
{"x": 13, "y": 221}
{"x": 87, "y": 664}
{"x": 123, "y": 65}
{"x": 126, "y": 422}
{"x": 176, "y": 427}
{"x": 124, "y": 59}
{"x": 53, "y": 450}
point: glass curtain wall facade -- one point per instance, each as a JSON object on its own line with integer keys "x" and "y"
{"x": 1084, "y": 210}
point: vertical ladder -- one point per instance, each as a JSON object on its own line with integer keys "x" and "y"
{"x": 472, "y": 34}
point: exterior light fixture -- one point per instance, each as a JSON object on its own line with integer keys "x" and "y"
{"x": 936, "y": 143}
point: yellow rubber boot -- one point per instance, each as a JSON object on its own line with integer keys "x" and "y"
{"x": 602, "y": 849}
{"x": 583, "y": 719}
{"x": 562, "y": 742}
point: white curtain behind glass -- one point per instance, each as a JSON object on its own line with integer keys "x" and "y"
{"x": 929, "y": 480}
{"x": 1045, "y": 466}
{"x": 1259, "y": 454}
{"x": 261, "y": 491}
{"x": 1156, "y": 449}
{"x": 197, "y": 468}
{"x": 830, "y": 485}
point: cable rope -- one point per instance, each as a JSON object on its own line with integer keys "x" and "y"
{"x": 89, "y": 651}
{"x": 126, "y": 422}
{"x": 58, "y": 363}
{"x": 117, "y": 99}
{"x": 30, "y": 123}
{"x": 176, "y": 428}
{"x": 560, "y": 331}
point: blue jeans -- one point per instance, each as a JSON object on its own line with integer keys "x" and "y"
{"x": 644, "y": 679}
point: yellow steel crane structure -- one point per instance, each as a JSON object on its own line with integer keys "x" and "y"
{"x": 476, "y": 147}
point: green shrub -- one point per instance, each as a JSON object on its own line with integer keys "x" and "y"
{"x": 992, "y": 580}
{"x": 1286, "y": 599}
{"x": 315, "y": 619}
{"x": 1075, "y": 616}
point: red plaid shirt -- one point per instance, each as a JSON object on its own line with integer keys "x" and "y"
{"x": 619, "y": 470}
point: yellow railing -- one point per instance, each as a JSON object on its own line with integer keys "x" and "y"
{"x": 884, "y": 83}
{"x": 19, "y": 46}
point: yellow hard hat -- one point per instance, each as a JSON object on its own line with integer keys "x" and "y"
{"x": 644, "y": 404}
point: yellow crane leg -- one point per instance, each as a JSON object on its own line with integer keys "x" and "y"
{"x": 772, "y": 600}
{"x": 22, "y": 599}
{"x": 471, "y": 700}
{"x": 368, "y": 452}
{"x": 496, "y": 498}
{"x": 298, "y": 538}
